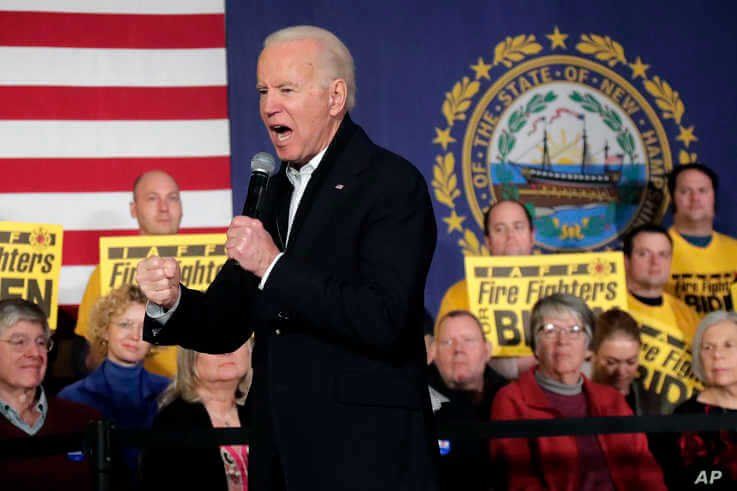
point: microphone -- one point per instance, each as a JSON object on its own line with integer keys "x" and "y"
{"x": 263, "y": 166}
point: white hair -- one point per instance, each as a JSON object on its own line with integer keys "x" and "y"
{"x": 338, "y": 61}
{"x": 15, "y": 310}
{"x": 709, "y": 320}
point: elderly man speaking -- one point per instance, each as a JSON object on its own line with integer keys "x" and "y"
{"x": 331, "y": 280}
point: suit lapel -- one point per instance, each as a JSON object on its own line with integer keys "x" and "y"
{"x": 324, "y": 192}
{"x": 277, "y": 207}
{"x": 282, "y": 212}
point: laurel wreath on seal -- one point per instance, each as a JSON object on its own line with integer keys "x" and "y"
{"x": 518, "y": 119}
{"x": 515, "y": 49}
{"x": 602, "y": 48}
{"x": 458, "y": 100}
{"x": 511, "y": 51}
{"x": 610, "y": 118}
{"x": 668, "y": 101}
{"x": 666, "y": 98}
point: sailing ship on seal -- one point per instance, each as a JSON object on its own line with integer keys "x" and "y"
{"x": 590, "y": 183}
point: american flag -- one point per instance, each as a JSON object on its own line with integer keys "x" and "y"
{"x": 94, "y": 92}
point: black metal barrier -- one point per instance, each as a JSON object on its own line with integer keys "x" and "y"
{"x": 101, "y": 436}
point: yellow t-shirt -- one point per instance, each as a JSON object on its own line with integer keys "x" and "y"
{"x": 665, "y": 358}
{"x": 702, "y": 276}
{"x": 162, "y": 359}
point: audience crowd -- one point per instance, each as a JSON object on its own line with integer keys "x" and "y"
{"x": 583, "y": 364}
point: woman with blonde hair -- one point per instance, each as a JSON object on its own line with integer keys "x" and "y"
{"x": 120, "y": 388}
{"x": 209, "y": 391}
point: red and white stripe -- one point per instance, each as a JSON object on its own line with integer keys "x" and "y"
{"x": 92, "y": 94}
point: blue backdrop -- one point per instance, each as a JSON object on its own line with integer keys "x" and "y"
{"x": 409, "y": 54}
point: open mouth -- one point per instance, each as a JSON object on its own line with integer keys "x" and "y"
{"x": 281, "y": 132}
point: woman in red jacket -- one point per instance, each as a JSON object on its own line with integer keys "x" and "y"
{"x": 561, "y": 328}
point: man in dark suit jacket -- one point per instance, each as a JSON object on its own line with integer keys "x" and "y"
{"x": 331, "y": 280}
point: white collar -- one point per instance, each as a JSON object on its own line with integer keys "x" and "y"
{"x": 307, "y": 169}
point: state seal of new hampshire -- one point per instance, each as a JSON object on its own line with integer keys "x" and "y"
{"x": 579, "y": 133}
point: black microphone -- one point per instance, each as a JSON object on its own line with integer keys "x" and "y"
{"x": 263, "y": 166}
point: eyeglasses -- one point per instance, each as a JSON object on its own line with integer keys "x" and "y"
{"x": 550, "y": 330}
{"x": 128, "y": 325}
{"x": 450, "y": 342}
{"x": 21, "y": 344}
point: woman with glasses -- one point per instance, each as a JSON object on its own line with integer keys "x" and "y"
{"x": 25, "y": 411}
{"x": 120, "y": 388}
{"x": 560, "y": 333}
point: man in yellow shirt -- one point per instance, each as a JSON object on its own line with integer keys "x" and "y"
{"x": 704, "y": 261}
{"x": 508, "y": 231}
{"x": 157, "y": 207}
{"x": 667, "y": 325}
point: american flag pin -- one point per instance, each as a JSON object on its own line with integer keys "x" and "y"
{"x": 338, "y": 186}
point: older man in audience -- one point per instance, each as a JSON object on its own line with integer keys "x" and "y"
{"x": 462, "y": 388}
{"x": 661, "y": 316}
{"x": 508, "y": 231}
{"x": 25, "y": 409}
{"x": 157, "y": 207}
{"x": 703, "y": 267}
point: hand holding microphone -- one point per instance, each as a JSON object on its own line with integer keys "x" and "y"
{"x": 248, "y": 242}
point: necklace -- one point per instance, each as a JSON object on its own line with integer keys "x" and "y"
{"x": 228, "y": 420}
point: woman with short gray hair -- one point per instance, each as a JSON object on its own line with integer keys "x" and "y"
{"x": 714, "y": 352}
{"x": 560, "y": 331}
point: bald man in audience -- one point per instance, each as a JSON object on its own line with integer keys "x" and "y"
{"x": 157, "y": 207}
{"x": 508, "y": 231}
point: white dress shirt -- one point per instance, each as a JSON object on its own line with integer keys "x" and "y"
{"x": 299, "y": 178}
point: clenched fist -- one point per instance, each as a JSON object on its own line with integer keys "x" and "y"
{"x": 159, "y": 278}
{"x": 250, "y": 245}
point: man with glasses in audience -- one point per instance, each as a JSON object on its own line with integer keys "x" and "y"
{"x": 25, "y": 409}
{"x": 462, "y": 388}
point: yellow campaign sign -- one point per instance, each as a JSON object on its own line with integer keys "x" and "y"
{"x": 200, "y": 257}
{"x": 30, "y": 264}
{"x": 666, "y": 368}
{"x": 503, "y": 289}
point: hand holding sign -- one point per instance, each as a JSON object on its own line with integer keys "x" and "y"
{"x": 159, "y": 279}
{"x": 250, "y": 245}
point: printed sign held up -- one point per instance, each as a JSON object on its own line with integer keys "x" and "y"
{"x": 503, "y": 290}
{"x": 200, "y": 257}
{"x": 30, "y": 264}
